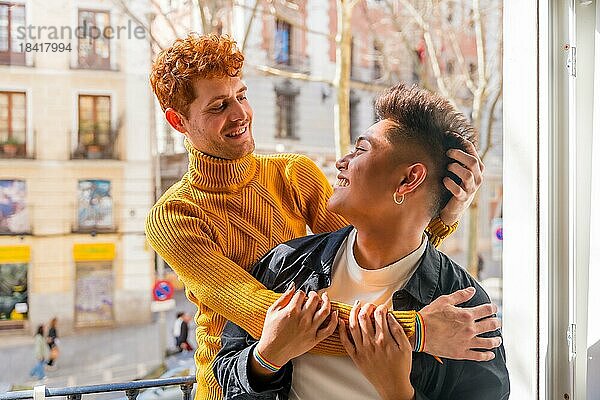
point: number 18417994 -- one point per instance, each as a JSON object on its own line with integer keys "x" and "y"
{"x": 44, "y": 47}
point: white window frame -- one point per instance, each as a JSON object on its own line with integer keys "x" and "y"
{"x": 548, "y": 125}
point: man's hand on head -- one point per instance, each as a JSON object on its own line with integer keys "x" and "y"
{"x": 469, "y": 168}
{"x": 452, "y": 331}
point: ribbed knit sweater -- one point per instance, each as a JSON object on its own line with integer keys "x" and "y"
{"x": 220, "y": 218}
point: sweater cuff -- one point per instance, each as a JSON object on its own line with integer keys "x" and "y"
{"x": 439, "y": 231}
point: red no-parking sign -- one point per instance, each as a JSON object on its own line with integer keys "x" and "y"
{"x": 163, "y": 290}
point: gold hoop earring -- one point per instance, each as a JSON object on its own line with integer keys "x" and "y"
{"x": 399, "y": 202}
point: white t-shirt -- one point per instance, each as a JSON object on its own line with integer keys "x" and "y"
{"x": 337, "y": 378}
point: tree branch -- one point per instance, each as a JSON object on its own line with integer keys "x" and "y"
{"x": 249, "y": 25}
{"x": 138, "y": 21}
{"x": 431, "y": 50}
{"x": 489, "y": 144}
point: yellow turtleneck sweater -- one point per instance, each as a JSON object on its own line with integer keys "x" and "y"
{"x": 223, "y": 215}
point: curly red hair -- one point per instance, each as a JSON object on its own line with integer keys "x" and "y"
{"x": 196, "y": 56}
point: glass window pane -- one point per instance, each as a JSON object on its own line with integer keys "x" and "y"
{"x": 17, "y": 19}
{"x": 86, "y": 113}
{"x": 18, "y": 100}
{"x": 3, "y": 28}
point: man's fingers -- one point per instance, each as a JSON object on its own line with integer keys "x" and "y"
{"x": 482, "y": 311}
{"x": 469, "y": 160}
{"x": 364, "y": 319}
{"x": 470, "y": 147}
{"x": 478, "y": 355}
{"x": 285, "y": 297}
{"x": 312, "y": 302}
{"x": 328, "y": 329}
{"x": 485, "y": 343}
{"x": 323, "y": 311}
{"x": 458, "y": 297}
{"x": 348, "y": 346}
{"x": 354, "y": 326}
{"x": 487, "y": 325}
{"x": 381, "y": 327}
{"x": 397, "y": 332}
{"x": 466, "y": 176}
{"x": 454, "y": 188}
{"x": 297, "y": 300}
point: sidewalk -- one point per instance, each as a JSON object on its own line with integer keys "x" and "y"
{"x": 100, "y": 356}
{"x": 95, "y": 356}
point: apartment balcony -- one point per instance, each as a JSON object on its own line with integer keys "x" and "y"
{"x": 289, "y": 61}
{"x": 96, "y": 149}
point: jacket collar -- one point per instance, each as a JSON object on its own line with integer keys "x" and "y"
{"x": 322, "y": 257}
{"x": 421, "y": 286}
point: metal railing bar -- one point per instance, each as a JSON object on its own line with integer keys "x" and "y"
{"x": 103, "y": 388}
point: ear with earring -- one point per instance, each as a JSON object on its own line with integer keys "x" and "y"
{"x": 398, "y": 200}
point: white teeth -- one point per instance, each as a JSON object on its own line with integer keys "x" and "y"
{"x": 238, "y": 132}
{"x": 342, "y": 183}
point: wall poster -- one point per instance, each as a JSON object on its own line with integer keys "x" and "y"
{"x": 95, "y": 206}
{"x": 14, "y": 218}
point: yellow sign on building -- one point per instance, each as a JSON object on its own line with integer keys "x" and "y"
{"x": 16, "y": 254}
{"x": 94, "y": 251}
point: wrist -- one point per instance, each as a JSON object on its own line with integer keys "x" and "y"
{"x": 449, "y": 219}
{"x": 401, "y": 392}
{"x": 270, "y": 355}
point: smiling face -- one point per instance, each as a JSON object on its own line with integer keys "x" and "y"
{"x": 368, "y": 175}
{"x": 219, "y": 121}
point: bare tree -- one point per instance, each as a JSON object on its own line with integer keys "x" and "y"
{"x": 472, "y": 82}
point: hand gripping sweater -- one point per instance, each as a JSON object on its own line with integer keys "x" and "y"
{"x": 220, "y": 218}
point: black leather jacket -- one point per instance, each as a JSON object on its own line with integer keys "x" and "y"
{"x": 308, "y": 261}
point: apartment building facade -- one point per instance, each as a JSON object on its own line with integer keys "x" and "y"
{"x": 75, "y": 165}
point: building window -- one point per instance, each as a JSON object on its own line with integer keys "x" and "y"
{"x": 95, "y": 206}
{"x": 286, "y": 110}
{"x": 95, "y": 134}
{"x": 12, "y": 16}
{"x": 283, "y": 42}
{"x": 13, "y": 124}
{"x": 14, "y": 218}
{"x": 13, "y": 292}
{"x": 94, "y": 45}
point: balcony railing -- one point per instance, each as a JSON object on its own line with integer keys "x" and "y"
{"x": 294, "y": 62}
{"x": 131, "y": 389}
{"x": 98, "y": 151}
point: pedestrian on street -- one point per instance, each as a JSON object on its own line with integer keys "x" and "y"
{"x": 177, "y": 329}
{"x": 53, "y": 342}
{"x": 182, "y": 339}
{"x": 41, "y": 353}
